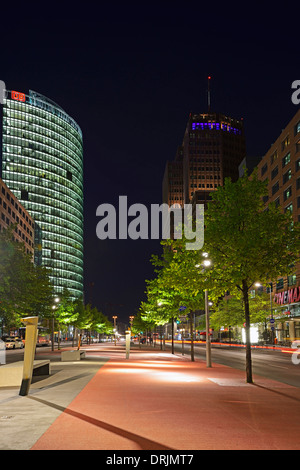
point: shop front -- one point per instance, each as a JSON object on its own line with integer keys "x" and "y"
{"x": 286, "y": 314}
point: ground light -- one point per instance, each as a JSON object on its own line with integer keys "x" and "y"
{"x": 158, "y": 371}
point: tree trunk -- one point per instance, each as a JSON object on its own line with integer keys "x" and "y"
{"x": 247, "y": 325}
{"x": 192, "y": 337}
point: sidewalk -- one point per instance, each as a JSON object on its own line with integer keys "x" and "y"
{"x": 152, "y": 401}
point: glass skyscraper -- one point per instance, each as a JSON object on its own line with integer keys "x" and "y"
{"x": 42, "y": 164}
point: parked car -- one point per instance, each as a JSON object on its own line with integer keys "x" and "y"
{"x": 12, "y": 342}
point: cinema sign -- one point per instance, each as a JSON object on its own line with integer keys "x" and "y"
{"x": 288, "y": 296}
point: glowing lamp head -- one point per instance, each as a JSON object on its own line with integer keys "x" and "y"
{"x": 206, "y": 262}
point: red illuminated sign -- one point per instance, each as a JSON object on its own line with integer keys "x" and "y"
{"x": 288, "y": 297}
{"x": 16, "y": 95}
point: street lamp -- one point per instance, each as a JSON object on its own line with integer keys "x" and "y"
{"x": 115, "y": 329}
{"x": 131, "y": 318}
{"x": 54, "y": 307}
{"x": 206, "y": 263}
{"x": 208, "y": 345}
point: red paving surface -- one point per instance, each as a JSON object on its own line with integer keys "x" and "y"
{"x": 157, "y": 401}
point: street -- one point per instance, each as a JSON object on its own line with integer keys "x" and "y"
{"x": 14, "y": 355}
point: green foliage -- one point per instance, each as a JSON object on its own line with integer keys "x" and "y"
{"x": 25, "y": 289}
{"x": 179, "y": 282}
{"x": 83, "y": 317}
{"x": 142, "y": 321}
{"x": 246, "y": 242}
{"x": 231, "y": 311}
{"x": 67, "y": 311}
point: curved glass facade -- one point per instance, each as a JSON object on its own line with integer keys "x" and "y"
{"x": 42, "y": 164}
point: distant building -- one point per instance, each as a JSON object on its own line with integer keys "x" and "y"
{"x": 248, "y": 163}
{"x": 213, "y": 147}
{"x": 173, "y": 180}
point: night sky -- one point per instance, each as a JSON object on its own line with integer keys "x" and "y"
{"x": 130, "y": 74}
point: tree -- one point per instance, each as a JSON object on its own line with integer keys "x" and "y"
{"x": 89, "y": 318}
{"x": 66, "y": 313}
{"x": 179, "y": 283}
{"x": 231, "y": 311}
{"x": 142, "y": 321}
{"x": 25, "y": 289}
{"x": 247, "y": 242}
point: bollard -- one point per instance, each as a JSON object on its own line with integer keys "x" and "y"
{"x": 2, "y": 352}
{"x": 29, "y": 351}
{"x": 128, "y": 337}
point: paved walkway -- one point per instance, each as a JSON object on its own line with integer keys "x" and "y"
{"x": 152, "y": 401}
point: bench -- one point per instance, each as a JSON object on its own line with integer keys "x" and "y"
{"x": 11, "y": 375}
{"x": 74, "y": 355}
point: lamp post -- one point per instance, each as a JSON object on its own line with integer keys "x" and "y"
{"x": 131, "y": 318}
{"x": 115, "y": 319}
{"x": 54, "y": 307}
{"x": 271, "y": 308}
{"x": 162, "y": 336}
{"x": 208, "y": 343}
{"x": 206, "y": 263}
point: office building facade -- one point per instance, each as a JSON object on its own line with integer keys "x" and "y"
{"x": 280, "y": 167}
{"x": 12, "y": 213}
{"x": 212, "y": 149}
{"x": 42, "y": 164}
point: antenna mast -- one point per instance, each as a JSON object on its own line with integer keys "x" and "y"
{"x": 208, "y": 92}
